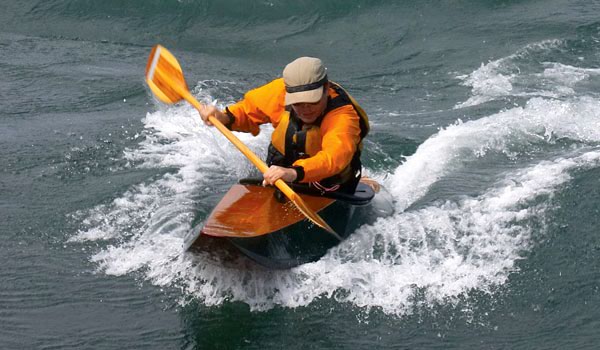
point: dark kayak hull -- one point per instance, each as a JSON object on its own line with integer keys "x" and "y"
{"x": 278, "y": 243}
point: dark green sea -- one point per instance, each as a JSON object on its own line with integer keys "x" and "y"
{"x": 485, "y": 130}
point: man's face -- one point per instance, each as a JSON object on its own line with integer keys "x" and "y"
{"x": 310, "y": 112}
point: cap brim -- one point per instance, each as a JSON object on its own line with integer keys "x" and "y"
{"x": 310, "y": 96}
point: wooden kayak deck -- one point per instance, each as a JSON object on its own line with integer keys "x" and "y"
{"x": 249, "y": 211}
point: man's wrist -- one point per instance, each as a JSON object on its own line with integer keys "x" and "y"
{"x": 299, "y": 173}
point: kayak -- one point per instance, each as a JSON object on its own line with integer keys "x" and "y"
{"x": 262, "y": 225}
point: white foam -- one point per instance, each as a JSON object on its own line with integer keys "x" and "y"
{"x": 565, "y": 74}
{"x": 487, "y": 83}
{"x": 437, "y": 253}
{"x": 514, "y": 76}
{"x": 509, "y": 132}
{"x": 176, "y": 139}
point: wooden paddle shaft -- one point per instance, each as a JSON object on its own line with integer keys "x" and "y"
{"x": 262, "y": 167}
{"x": 169, "y": 86}
{"x": 259, "y": 163}
{"x": 229, "y": 135}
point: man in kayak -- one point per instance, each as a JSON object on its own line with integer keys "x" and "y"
{"x": 318, "y": 127}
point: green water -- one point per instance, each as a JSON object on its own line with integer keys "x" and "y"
{"x": 485, "y": 130}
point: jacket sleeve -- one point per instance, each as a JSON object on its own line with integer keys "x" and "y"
{"x": 340, "y": 133}
{"x": 258, "y": 107}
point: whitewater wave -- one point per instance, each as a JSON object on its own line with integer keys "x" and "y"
{"x": 427, "y": 255}
{"x": 438, "y": 252}
{"x": 511, "y": 132}
{"x": 520, "y": 75}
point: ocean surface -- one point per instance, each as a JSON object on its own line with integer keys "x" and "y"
{"x": 485, "y": 130}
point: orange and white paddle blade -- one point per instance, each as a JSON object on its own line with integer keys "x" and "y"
{"x": 164, "y": 75}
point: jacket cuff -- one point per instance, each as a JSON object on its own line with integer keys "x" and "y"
{"x": 231, "y": 118}
{"x": 299, "y": 173}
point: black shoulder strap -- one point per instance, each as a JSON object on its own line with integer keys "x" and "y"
{"x": 340, "y": 100}
{"x": 343, "y": 99}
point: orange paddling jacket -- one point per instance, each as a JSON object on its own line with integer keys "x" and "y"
{"x": 325, "y": 153}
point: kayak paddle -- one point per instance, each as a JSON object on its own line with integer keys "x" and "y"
{"x": 165, "y": 78}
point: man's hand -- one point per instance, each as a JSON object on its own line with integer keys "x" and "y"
{"x": 275, "y": 173}
{"x": 210, "y": 110}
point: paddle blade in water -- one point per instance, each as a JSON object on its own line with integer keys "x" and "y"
{"x": 314, "y": 217}
{"x": 304, "y": 209}
{"x": 164, "y": 75}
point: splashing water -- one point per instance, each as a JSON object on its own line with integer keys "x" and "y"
{"x": 429, "y": 255}
{"x": 503, "y": 78}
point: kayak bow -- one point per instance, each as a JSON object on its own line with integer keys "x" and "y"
{"x": 255, "y": 221}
